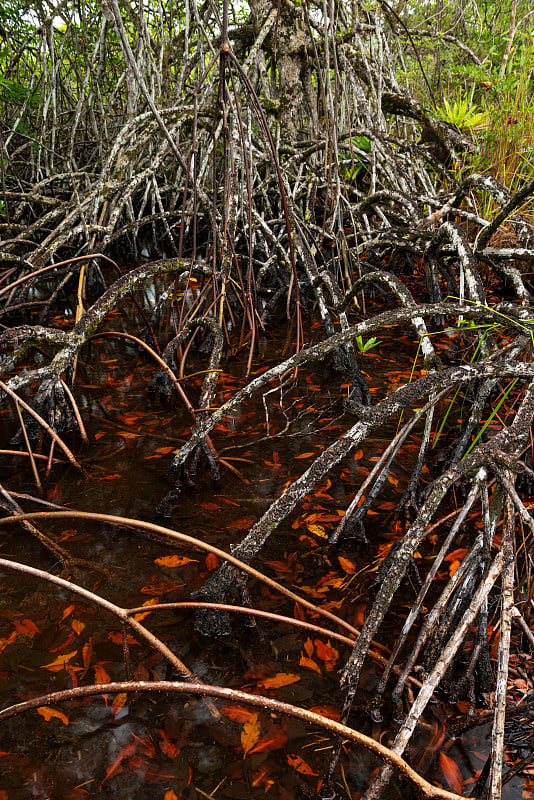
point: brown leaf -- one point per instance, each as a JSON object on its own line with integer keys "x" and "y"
{"x": 451, "y": 773}
{"x": 211, "y": 561}
{"x": 250, "y": 734}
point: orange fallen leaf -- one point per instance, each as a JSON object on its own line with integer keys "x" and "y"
{"x": 281, "y": 679}
{"x": 456, "y": 554}
{"x": 238, "y": 713}
{"x": 170, "y": 794}
{"x": 309, "y": 662}
{"x": 173, "y": 561}
{"x": 451, "y": 773}
{"x": 250, "y": 734}
{"x": 211, "y": 561}
{"x": 305, "y": 455}
{"x": 346, "y": 565}
{"x": 300, "y": 765}
{"x": 77, "y": 626}
{"x": 49, "y": 713}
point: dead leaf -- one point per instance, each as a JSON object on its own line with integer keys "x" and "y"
{"x": 170, "y": 794}
{"x": 346, "y": 565}
{"x": 211, "y": 561}
{"x": 451, "y": 773}
{"x": 300, "y": 765}
{"x": 60, "y": 661}
{"x": 173, "y": 561}
{"x": 48, "y": 713}
{"x": 309, "y": 662}
{"x": 281, "y": 679}
{"x": 77, "y": 626}
{"x": 118, "y": 703}
{"x": 250, "y": 734}
{"x": 318, "y": 530}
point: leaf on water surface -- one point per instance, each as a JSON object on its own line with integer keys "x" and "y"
{"x": 101, "y": 676}
{"x": 318, "y": 530}
{"x": 60, "y": 661}
{"x": 170, "y": 794}
{"x": 451, "y": 773}
{"x": 151, "y": 602}
{"x": 330, "y": 712}
{"x": 211, "y": 561}
{"x": 68, "y": 611}
{"x": 274, "y": 739}
{"x": 77, "y": 626}
{"x": 238, "y": 713}
{"x": 346, "y": 565}
{"x": 87, "y": 653}
{"x": 386, "y": 506}
{"x": 25, "y": 626}
{"x": 49, "y": 713}
{"x": 310, "y": 663}
{"x": 278, "y": 680}
{"x": 300, "y": 765}
{"x": 210, "y": 506}
{"x": 305, "y": 455}
{"x": 358, "y": 454}
{"x": 308, "y": 647}
{"x": 112, "y": 477}
{"x": 172, "y": 561}
{"x": 119, "y": 702}
{"x": 326, "y": 653}
{"x": 250, "y": 734}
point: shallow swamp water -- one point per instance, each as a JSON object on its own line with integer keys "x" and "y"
{"x": 166, "y": 747}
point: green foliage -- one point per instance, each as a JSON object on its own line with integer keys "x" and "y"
{"x": 463, "y": 115}
{"x": 364, "y": 347}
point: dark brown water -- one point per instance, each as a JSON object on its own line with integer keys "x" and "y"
{"x": 165, "y": 747}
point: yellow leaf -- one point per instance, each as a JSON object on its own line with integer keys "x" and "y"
{"x": 59, "y": 663}
{"x": 318, "y": 530}
{"x": 118, "y": 702}
{"x": 151, "y": 602}
{"x": 250, "y": 734}
{"x": 174, "y": 561}
{"x": 47, "y": 713}
{"x": 77, "y": 626}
